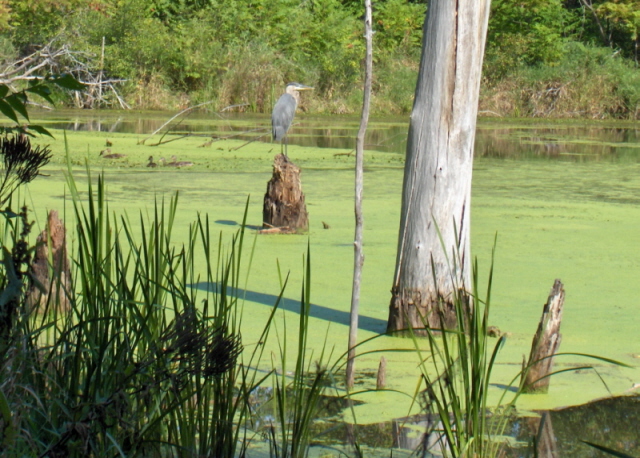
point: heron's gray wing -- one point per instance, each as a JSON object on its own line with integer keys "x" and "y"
{"x": 282, "y": 116}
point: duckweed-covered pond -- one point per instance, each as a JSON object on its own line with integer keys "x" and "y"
{"x": 563, "y": 199}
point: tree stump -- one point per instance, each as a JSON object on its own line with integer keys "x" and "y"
{"x": 545, "y": 343}
{"x": 284, "y": 204}
{"x": 545, "y": 443}
{"x": 49, "y": 270}
{"x": 381, "y": 381}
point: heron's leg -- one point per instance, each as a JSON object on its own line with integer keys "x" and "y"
{"x": 286, "y": 144}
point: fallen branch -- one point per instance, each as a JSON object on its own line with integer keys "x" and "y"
{"x": 277, "y": 230}
{"x": 56, "y": 59}
{"x": 186, "y": 110}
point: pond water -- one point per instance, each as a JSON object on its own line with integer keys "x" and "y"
{"x": 521, "y": 139}
{"x": 560, "y": 433}
{"x": 564, "y": 198}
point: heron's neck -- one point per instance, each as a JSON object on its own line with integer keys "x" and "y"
{"x": 293, "y": 92}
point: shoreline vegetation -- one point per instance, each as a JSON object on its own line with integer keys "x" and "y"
{"x": 544, "y": 58}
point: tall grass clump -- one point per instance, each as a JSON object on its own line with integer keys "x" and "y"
{"x": 457, "y": 370}
{"x": 146, "y": 357}
{"x": 296, "y": 397}
{"x": 142, "y": 363}
{"x": 457, "y": 375}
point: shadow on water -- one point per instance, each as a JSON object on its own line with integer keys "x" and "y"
{"x": 230, "y": 222}
{"x": 365, "y": 323}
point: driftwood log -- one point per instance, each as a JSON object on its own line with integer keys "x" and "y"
{"x": 284, "y": 204}
{"x": 545, "y": 343}
{"x": 49, "y": 270}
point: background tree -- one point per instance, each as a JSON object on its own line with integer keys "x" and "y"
{"x": 433, "y": 246}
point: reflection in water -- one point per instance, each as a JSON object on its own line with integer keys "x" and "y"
{"x": 494, "y": 139}
{"x": 611, "y": 422}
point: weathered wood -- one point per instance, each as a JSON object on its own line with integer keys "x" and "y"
{"x": 433, "y": 240}
{"x": 358, "y": 253}
{"x": 545, "y": 343}
{"x": 277, "y": 230}
{"x": 381, "y": 381}
{"x": 546, "y": 439}
{"x": 284, "y": 203}
{"x": 49, "y": 271}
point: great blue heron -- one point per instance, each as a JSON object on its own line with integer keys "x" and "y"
{"x": 284, "y": 111}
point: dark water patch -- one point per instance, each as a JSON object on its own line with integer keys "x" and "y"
{"x": 612, "y": 423}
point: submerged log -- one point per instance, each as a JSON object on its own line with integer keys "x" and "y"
{"x": 49, "y": 270}
{"x": 545, "y": 343}
{"x": 284, "y": 204}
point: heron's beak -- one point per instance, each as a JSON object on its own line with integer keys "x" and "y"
{"x": 304, "y": 88}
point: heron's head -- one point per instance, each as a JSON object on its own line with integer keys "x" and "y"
{"x": 296, "y": 87}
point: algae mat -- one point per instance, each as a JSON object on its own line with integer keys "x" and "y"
{"x": 574, "y": 221}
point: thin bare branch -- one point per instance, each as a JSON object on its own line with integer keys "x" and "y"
{"x": 186, "y": 110}
{"x": 359, "y": 185}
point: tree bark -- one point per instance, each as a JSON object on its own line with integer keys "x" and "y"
{"x": 284, "y": 204}
{"x": 545, "y": 343}
{"x": 433, "y": 247}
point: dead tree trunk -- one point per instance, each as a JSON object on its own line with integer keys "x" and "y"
{"x": 433, "y": 245}
{"x": 50, "y": 273}
{"x": 284, "y": 205}
{"x": 545, "y": 343}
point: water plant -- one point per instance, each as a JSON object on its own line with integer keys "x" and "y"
{"x": 149, "y": 357}
{"x": 134, "y": 359}
{"x": 457, "y": 376}
{"x": 457, "y": 373}
{"x": 296, "y": 401}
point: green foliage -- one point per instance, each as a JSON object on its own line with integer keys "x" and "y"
{"x": 177, "y": 52}
{"x": 35, "y": 22}
{"x": 525, "y": 33}
{"x": 624, "y": 18}
{"x": 13, "y": 104}
{"x": 398, "y": 25}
